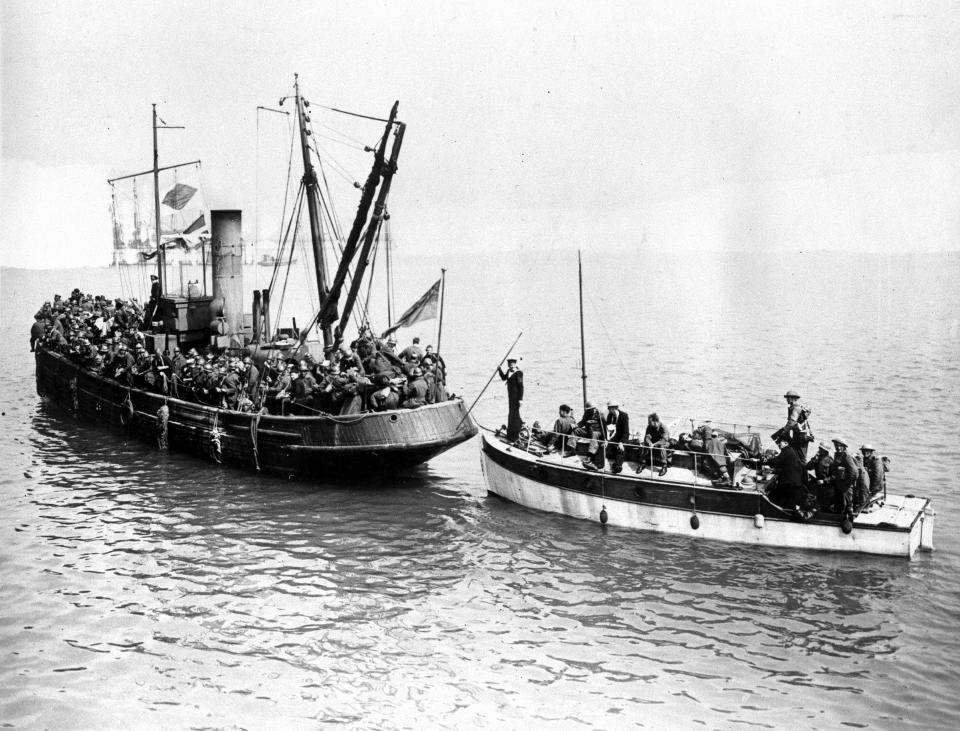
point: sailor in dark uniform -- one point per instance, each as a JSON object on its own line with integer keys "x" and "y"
{"x": 514, "y": 380}
{"x": 153, "y": 303}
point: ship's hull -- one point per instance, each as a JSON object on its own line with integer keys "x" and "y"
{"x": 899, "y": 528}
{"x": 309, "y": 447}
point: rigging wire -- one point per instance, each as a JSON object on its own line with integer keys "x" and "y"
{"x": 344, "y": 134}
{"x": 281, "y": 238}
{"x": 283, "y": 292}
{"x": 281, "y": 243}
{"x": 607, "y": 333}
{"x": 335, "y": 164}
{"x": 328, "y": 204}
{"x": 352, "y": 114}
{"x": 206, "y": 211}
{"x": 340, "y": 142}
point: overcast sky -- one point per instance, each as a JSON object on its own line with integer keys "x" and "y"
{"x": 689, "y": 126}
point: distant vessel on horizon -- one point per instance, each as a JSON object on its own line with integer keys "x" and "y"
{"x": 269, "y": 260}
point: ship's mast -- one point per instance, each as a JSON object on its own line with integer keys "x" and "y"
{"x": 373, "y": 226}
{"x": 328, "y": 309}
{"x": 161, "y": 259}
{"x": 583, "y": 350}
{"x": 312, "y": 195}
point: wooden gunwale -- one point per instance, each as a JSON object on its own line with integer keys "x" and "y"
{"x": 405, "y": 436}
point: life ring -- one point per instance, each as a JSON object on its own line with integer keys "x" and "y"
{"x": 126, "y": 412}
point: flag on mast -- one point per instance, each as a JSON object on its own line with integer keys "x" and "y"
{"x": 196, "y": 225}
{"x": 178, "y": 196}
{"x": 423, "y": 309}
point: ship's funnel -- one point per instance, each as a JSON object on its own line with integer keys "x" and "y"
{"x": 227, "y": 264}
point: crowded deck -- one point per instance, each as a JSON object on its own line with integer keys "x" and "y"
{"x": 106, "y": 336}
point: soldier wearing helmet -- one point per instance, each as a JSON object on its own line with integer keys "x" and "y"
{"x": 876, "y": 468}
{"x": 415, "y": 391}
{"x": 796, "y": 432}
{"x": 843, "y": 475}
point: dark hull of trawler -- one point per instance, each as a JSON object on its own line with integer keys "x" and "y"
{"x": 669, "y": 504}
{"x": 308, "y": 447}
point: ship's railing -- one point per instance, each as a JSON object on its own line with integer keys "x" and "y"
{"x": 537, "y": 443}
{"x": 689, "y": 424}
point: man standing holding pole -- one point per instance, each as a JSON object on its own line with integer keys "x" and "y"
{"x": 514, "y": 381}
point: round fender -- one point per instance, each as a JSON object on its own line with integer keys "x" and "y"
{"x": 126, "y": 413}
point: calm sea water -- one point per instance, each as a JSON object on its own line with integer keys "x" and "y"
{"x": 140, "y": 589}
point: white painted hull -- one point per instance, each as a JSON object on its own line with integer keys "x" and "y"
{"x": 787, "y": 533}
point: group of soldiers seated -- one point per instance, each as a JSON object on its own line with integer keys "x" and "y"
{"x": 596, "y": 438}
{"x": 105, "y": 337}
{"x": 840, "y": 483}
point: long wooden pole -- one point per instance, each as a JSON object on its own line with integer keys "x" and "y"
{"x": 328, "y": 307}
{"x": 443, "y": 290}
{"x": 372, "y": 226}
{"x": 166, "y": 167}
{"x": 583, "y": 350}
{"x": 490, "y": 380}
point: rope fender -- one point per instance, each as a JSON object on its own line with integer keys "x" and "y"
{"x": 126, "y": 410}
{"x": 74, "y": 396}
{"x": 215, "y": 446}
{"x": 163, "y": 422}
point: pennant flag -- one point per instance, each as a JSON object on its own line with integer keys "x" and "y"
{"x": 179, "y": 195}
{"x": 196, "y": 225}
{"x": 423, "y": 309}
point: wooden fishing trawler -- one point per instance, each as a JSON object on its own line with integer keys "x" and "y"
{"x": 696, "y": 494}
{"x": 316, "y": 446}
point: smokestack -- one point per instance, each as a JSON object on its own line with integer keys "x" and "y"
{"x": 227, "y": 266}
